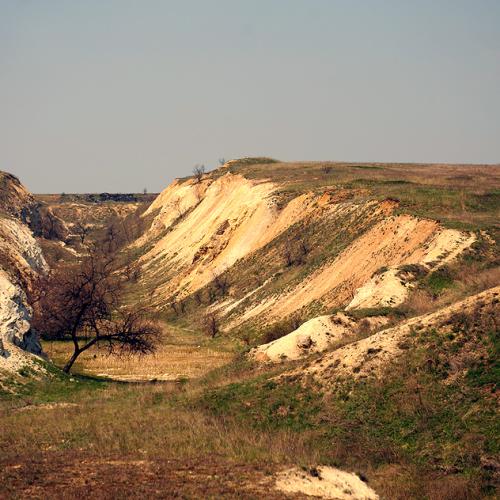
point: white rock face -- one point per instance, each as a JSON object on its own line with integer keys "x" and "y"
{"x": 325, "y": 482}
{"x": 15, "y": 315}
{"x": 314, "y": 335}
{"x": 383, "y": 290}
{"x": 17, "y": 241}
{"x": 19, "y": 254}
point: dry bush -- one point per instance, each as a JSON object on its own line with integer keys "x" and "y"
{"x": 281, "y": 328}
{"x": 419, "y": 302}
{"x": 198, "y": 172}
{"x": 210, "y": 324}
{"x": 478, "y": 279}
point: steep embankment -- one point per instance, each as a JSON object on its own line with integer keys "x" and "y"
{"x": 372, "y": 355}
{"x": 261, "y": 256}
{"x": 393, "y": 242}
{"x": 203, "y": 228}
{"x": 21, "y": 259}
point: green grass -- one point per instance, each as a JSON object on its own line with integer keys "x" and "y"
{"x": 265, "y": 404}
{"x": 438, "y": 281}
{"x": 421, "y": 413}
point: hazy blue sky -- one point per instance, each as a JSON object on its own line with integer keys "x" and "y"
{"x": 119, "y": 95}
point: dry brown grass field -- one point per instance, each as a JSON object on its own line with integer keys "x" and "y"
{"x": 181, "y": 354}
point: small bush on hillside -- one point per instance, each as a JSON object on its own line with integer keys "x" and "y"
{"x": 417, "y": 270}
{"x": 280, "y": 329}
{"x": 439, "y": 280}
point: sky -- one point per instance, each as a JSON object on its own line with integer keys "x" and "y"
{"x": 121, "y": 95}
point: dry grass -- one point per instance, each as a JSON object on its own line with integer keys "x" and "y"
{"x": 141, "y": 422}
{"x": 459, "y": 195}
{"x": 181, "y": 355}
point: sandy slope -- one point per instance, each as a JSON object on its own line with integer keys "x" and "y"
{"x": 314, "y": 335}
{"x": 228, "y": 219}
{"x": 370, "y": 355}
{"x": 203, "y": 228}
{"x": 394, "y": 241}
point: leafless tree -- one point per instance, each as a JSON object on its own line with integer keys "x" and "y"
{"x": 288, "y": 254}
{"x": 221, "y": 282}
{"x": 81, "y": 302}
{"x": 174, "y": 306}
{"x": 210, "y": 324}
{"x": 302, "y": 250}
{"x": 304, "y": 247}
{"x": 198, "y": 172}
{"x": 198, "y": 298}
{"x": 82, "y": 230}
{"x": 222, "y": 161}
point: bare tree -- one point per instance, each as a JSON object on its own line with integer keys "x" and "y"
{"x": 174, "y": 307}
{"x": 288, "y": 254}
{"x": 81, "y": 303}
{"x": 182, "y": 305}
{"x": 221, "y": 282}
{"x": 210, "y": 324}
{"x": 82, "y": 230}
{"x": 303, "y": 250}
{"x": 222, "y": 161}
{"x": 198, "y": 172}
{"x": 198, "y": 298}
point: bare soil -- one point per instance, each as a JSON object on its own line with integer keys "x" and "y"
{"x": 78, "y": 475}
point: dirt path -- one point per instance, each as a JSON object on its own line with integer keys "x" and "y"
{"x": 67, "y": 475}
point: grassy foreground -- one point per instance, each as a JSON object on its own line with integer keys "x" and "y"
{"x": 425, "y": 431}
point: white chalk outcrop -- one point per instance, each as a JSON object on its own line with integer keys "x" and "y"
{"x": 21, "y": 259}
{"x": 325, "y": 482}
{"x": 201, "y": 229}
{"x": 314, "y": 335}
{"x": 370, "y": 356}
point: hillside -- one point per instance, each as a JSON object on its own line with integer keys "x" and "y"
{"x": 310, "y": 239}
{"x": 346, "y": 314}
{"x": 21, "y": 259}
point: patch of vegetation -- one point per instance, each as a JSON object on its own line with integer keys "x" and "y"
{"x": 370, "y": 312}
{"x": 429, "y": 412}
{"x": 417, "y": 270}
{"x": 55, "y": 387}
{"x": 439, "y": 280}
{"x": 265, "y": 404}
{"x": 280, "y": 329}
{"x": 253, "y": 160}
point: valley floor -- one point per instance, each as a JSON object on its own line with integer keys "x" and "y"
{"x": 182, "y": 354}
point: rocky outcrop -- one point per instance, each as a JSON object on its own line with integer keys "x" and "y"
{"x": 15, "y": 316}
{"x": 17, "y": 202}
{"x": 370, "y": 356}
{"x": 203, "y": 228}
{"x": 21, "y": 259}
